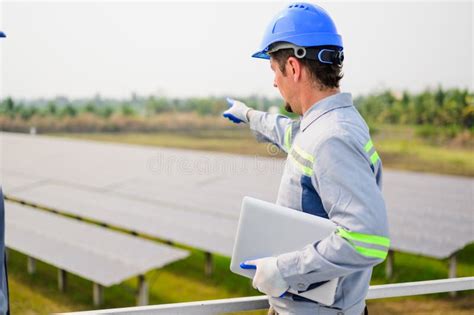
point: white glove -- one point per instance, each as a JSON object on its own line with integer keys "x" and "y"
{"x": 237, "y": 111}
{"x": 267, "y": 277}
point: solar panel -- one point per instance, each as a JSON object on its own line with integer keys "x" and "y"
{"x": 12, "y": 181}
{"x": 206, "y": 231}
{"x": 221, "y": 197}
{"x": 429, "y": 214}
{"x": 101, "y": 255}
{"x": 106, "y": 165}
{"x": 195, "y": 196}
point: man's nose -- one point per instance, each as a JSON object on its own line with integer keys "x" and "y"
{"x": 274, "y": 84}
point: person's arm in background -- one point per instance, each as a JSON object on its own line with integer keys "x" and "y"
{"x": 349, "y": 192}
{"x": 4, "y": 307}
{"x": 275, "y": 128}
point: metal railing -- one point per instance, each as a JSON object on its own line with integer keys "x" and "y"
{"x": 261, "y": 302}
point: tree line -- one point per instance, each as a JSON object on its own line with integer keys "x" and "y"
{"x": 136, "y": 106}
{"x": 452, "y": 107}
{"x": 447, "y": 108}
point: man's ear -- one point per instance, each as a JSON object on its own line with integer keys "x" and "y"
{"x": 294, "y": 68}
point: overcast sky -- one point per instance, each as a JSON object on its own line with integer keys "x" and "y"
{"x": 182, "y": 49}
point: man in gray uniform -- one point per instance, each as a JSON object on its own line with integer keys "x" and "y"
{"x": 332, "y": 169}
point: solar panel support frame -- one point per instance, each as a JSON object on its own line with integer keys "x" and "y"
{"x": 97, "y": 294}
{"x": 62, "y": 280}
{"x": 208, "y": 264}
{"x": 142, "y": 292}
{"x": 389, "y": 264}
{"x": 31, "y": 265}
{"x": 452, "y": 270}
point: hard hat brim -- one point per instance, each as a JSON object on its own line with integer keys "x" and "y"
{"x": 261, "y": 55}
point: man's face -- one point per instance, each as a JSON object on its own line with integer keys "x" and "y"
{"x": 282, "y": 82}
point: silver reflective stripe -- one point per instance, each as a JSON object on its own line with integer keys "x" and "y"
{"x": 303, "y": 160}
{"x": 288, "y": 132}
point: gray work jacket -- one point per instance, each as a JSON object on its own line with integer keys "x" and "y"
{"x": 333, "y": 171}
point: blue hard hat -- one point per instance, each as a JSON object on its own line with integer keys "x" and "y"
{"x": 300, "y": 24}
{"x": 2, "y": 34}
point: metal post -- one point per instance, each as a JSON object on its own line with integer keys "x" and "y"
{"x": 97, "y": 294}
{"x": 452, "y": 271}
{"x": 62, "y": 280}
{"x": 31, "y": 265}
{"x": 142, "y": 293}
{"x": 389, "y": 264}
{"x": 208, "y": 267}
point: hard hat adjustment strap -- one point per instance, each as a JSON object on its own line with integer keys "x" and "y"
{"x": 323, "y": 55}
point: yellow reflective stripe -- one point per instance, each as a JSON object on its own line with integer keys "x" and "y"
{"x": 369, "y": 145}
{"x": 374, "y": 157}
{"x": 306, "y": 170}
{"x": 364, "y": 238}
{"x": 288, "y": 137}
{"x": 371, "y": 252}
{"x": 303, "y": 154}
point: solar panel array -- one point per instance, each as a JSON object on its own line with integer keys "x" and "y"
{"x": 207, "y": 231}
{"x": 194, "y": 197}
{"x": 429, "y": 214}
{"x": 101, "y": 255}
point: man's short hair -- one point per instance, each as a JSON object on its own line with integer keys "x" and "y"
{"x": 323, "y": 74}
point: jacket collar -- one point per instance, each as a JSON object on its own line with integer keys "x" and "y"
{"x": 325, "y": 105}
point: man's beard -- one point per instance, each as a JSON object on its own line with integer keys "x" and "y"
{"x": 288, "y": 107}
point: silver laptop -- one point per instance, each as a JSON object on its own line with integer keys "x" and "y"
{"x": 266, "y": 229}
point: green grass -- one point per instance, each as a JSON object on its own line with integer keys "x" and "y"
{"x": 415, "y": 155}
{"x": 410, "y": 267}
{"x": 185, "y": 281}
{"x": 401, "y": 148}
{"x": 179, "y": 282}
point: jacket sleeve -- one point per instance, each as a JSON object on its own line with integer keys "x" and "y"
{"x": 274, "y": 128}
{"x": 350, "y": 195}
{"x": 3, "y": 275}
